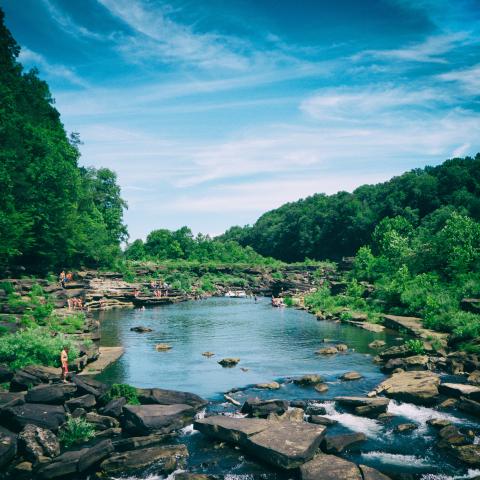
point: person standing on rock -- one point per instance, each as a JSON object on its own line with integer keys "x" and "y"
{"x": 61, "y": 277}
{"x": 64, "y": 363}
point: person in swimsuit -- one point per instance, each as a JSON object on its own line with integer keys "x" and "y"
{"x": 64, "y": 362}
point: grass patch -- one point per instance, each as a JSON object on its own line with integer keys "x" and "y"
{"x": 75, "y": 431}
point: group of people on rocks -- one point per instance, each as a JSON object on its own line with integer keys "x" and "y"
{"x": 75, "y": 303}
{"x": 157, "y": 288}
{"x": 65, "y": 278}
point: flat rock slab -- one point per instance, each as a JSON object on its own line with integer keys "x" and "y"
{"x": 41, "y": 415}
{"x": 282, "y": 444}
{"x": 458, "y": 390}
{"x": 55, "y": 393}
{"x": 329, "y": 467}
{"x": 415, "y": 387}
{"x": 152, "y": 396}
{"x": 286, "y": 445}
{"x": 229, "y": 429}
{"x": 107, "y": 356}
{"x": 147, "y": 419}
{"x": 370, "y": 473}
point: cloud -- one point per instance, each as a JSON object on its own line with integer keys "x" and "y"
{"x": 173, "y": 42}
{"x": 468, "y": 78}
{"x": 65, "y": 22}
{"x": 431, "y": 50}
{"x": 30, "y": 57}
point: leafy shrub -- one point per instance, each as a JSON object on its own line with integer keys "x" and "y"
{"x": 118, "y": 390}
{"x": 75, "y": 431}
{"x": 36, "y": 290}
{"x": 416, "y": 346}
{"x": 34, "y": 346}
{"x": 7, "y": 287}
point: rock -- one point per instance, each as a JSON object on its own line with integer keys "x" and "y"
{"x": 35, "y": 442}
{"x": 369, "y": 473}
{"x": 94, "y": 455}
{"x": 41, "y": 415}
{"x": 451, "y": 435}
{"x": 268, "y": 386}
{"x": 405, "y": 427}
{"x": 319, "y": 420}
{"x": 134, "y": 443}
{"x": 377, "y": 344}
{"x": 147, "y": 419}
{"x": 159, "y": 396}
{"x": 469, "y": 406}
{"x": 308, "y": 380}
{"x": 262, "y": 408}
{"x": 349, "y": 376}
{"x": 229, "y": 362}
{"x": 474, "y": 377}
{"x": 470, "y": 305}
{"x": 79, "y": 412}
{"x": 313, "y": 409}
{"x": 341, "y": 347}
{"x": 101, "y": 422}
{"x": 368, "y": 407}
{"x": 414, "y": 387}
{"x": 329, "y": 467}
{"x": 11, "y": 399}
{"x": 397, "y": 351}
{"x": 141, "y": 329}
{"x": 321, "y": 387}
{"x": 5, "y": 374}
{"x": 337, "y": 443}
{"x": 291, "y": 415}
{"x": 327, "y": 351}
{"x": 8, "y": 447}
{"x": 469, "y": 454}
{"x": 65, "y": 464}
{"x": 208, "y": 354}
{"x": 299, "y": 404}
{"x": 286, "y": 444}
{"x": 230, "y": 429}
{"x": 415, "y": 362}
{"x": 86, "y": 384}
{"x": 458, "y": 390}
{"x": 438, "y": 422}
{"x": 371, "y": 327}
{"x": 23, "y": 468}
{"x": 195, "y": 476}
{"x": 167, "y": 459}
{"x": 162, "y": 347}
{"x": 85, "y": 402}
{"x": 51, "y": 394}
{"x": 109, "y": 433}
{"x": 114, "y": 407}
{"x": 448, "y": 403}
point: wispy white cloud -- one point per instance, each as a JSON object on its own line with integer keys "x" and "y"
{"x": 68, "y": 25}
{"x": 431, "y": 50}
{"x": 468, "y": 78}
{"x": 31, "y": 58}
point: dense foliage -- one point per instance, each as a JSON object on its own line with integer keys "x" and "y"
{"x": 75, "y": 431}
{"x": 163, "y": 244}
{"x": 323, "y": 226}
{"x": 52, "y": 213}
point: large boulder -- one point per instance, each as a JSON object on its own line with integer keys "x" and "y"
{"x": 329, "y": 467}
{"x": 166, "y": 459}
{"x": 159, "y": 396}
{"x": 101, "y": 422}
{"x": 85, "y": 401}
{"x": 369, "y": 473}
{"x": 41, "y": 415}
{"x": 134, "y": 443}
{"x": 469, "y": 406}
{"x": 286, "y": 444}
{"x": 8, "y": 447}
{"x": 114, "y": 407}
{"x": 147, "y": 419}
{"x": 262, "y": 408}
{"x": 308, "y": 380}
{"x": 61, "y": 466}
{"x": 338, "y": 443}
{"x": 87, "y": 384}
{"x": 55, "y": 393}
{"x": 11, "y": 399}
{"x": 35, "y": 442}
{"x": 469, "y": 454}
{"x": 33, "y": 375}
{"x": 414, "y": 387}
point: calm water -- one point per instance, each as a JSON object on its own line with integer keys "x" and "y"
{"x": 273, "y": 344}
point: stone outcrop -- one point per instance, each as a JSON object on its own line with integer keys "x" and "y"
{"x": 147, "y": 419}
{"x": 338, "y": 443}
{"x": 308, "y": 380}
{"x": 159, "y": 396}
{"x": 329, "y": 467}
{"x": 368, "y": 407}
{"x": 283, "y": 444}
{"x": 414, "y": 387}
{"x": 458, "y": 390}
{"x": 35, "y": 442}
{"x": 45, "y": 416}
{"x": 55, "y": 394}
{"x": 262, "y": 408}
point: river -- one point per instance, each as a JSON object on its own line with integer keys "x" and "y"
{"x": 272, "y": 344}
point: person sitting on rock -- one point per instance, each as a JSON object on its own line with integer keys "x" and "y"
{"x": 64, "y": 363}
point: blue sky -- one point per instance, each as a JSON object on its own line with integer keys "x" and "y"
{"x": 212, "y": 112}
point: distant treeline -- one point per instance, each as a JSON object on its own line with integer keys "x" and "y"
{"x": 332, "y": 226}
{"x": 53, "y": 213}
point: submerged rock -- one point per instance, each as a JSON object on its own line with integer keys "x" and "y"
{"x": 405, "y": 427}
{"x": 229, "y": 362}
{"x": 308, "y": 380}
{"x": 162, "y": 347}
{"x": 141, "y": 329}
{"x": 338, "y": 443}
{"x": 268, "y": 386}
{"x": 208, "y": 354}
{"x": 327, "y": 351}
{"x": 321, "y": 388}
{"x": 365, "y": 406}
{"x": 349, "y": 376}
